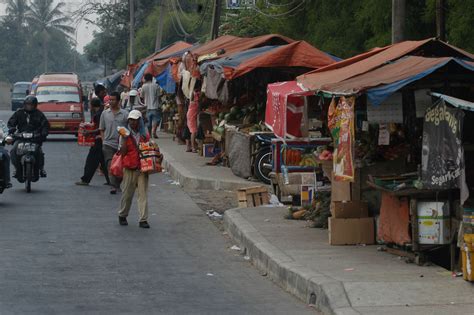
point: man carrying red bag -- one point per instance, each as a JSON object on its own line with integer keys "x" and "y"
{"x": 130, "y": 140}
{"x": 95, "y": 156}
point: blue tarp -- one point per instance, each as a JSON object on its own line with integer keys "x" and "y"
{"x": 236, "y": 59}
{"x": 139, "y": 75}
{"x": 166, "y": 81}
{"x": 456, "y": 102}
{"x": 377, "y": 95}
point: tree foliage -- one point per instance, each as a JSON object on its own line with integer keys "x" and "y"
{"x": 21, "y": 52}
{"x": 340, "y": 27}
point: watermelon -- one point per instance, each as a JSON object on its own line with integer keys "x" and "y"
{"x": 221, "y": 116}
{"x": 228, "y": 117}
{"x": 234, "y": 110}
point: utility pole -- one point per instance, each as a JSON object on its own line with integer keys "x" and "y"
{"x": 398, "y": 21}
{"x": 159, "y": 31}
{"x": 440, "y": 20}
{"x": 132, "y": 30}
{"x": 216, "y": 17}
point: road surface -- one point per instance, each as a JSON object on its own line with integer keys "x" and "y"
{"x": 63, "y": 252}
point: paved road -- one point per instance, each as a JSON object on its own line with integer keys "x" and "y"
{"x": 63, "y": 252}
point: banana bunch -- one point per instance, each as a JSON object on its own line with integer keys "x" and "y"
{"x": 308, "y": 161}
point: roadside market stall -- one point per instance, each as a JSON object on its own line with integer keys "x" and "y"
{"x": 232, "y": 74}
{"x": 379, "y": 117}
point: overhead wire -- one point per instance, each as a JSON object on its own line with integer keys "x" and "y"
{"x": 178, "y": 20}
{"x": 179, "y": 28}
{"x": 173, "y": 22}
{"x": 279, "y": 15}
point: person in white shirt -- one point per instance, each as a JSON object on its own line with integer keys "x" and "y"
{"x": 151, "y": 93}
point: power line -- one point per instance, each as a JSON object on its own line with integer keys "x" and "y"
{"x": 279, "y": 15}
{"x": 178, "y": 20}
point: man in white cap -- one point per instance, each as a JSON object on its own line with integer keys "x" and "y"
{"x": 133, "y": 179}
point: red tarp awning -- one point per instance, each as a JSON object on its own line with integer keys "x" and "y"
{"x": 401, "y": 69}
{"x": 233, "y": 44}
{"x": 296, "y": 54}
{"x": 284, "y": 110}
{"x": 169, "y": 50}
{"x": 375, "y": 58}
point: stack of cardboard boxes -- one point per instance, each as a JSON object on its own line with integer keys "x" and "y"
{"x": 349, "y": 223}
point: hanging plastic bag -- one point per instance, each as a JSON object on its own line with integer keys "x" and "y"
{"x": 116, "y": 167}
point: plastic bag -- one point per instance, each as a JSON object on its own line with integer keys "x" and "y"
{"x": 116, "y": 167}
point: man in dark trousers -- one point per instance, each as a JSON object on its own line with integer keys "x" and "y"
{"x": 110, "y": 119}
{"x": 95, "y": 156}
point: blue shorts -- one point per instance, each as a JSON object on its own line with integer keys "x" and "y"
{"x": 153, "y": 116}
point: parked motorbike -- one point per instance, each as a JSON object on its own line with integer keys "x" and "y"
{"x": 263, "y": 157}
{"x": 3, "y": 158}
{"x": 27, "y": 153}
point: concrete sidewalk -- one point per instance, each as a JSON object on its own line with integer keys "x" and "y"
{"x": 191, "y": 171}
{"x": 343, "y": 279}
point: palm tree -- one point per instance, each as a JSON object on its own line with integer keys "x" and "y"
{"x": 46, "y": 20}
{"x": 17, "y": 11}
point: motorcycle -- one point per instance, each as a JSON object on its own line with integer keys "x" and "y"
{"x": 263, "y": 157}
{"x": 4, "y": 158}
{"x": 27, "y": 153}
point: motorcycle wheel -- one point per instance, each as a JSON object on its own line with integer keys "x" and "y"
{"x": 264, "y": 156}
{"x": 28, "y": 177}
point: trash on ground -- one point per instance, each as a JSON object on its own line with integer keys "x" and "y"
{"x": 267, "y": 220}
{"x": 214, "y": 214}
{"x": 247, "y": 257}
{"x": 349, "y": 269}
{"x": 210, "y": 275}
{"x": 174, "y": 183}
{"x": 235, "y": 247}
{"x": 274, "y": 202}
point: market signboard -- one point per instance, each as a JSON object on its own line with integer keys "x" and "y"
{"x": 341, "y": 125}
{"x": 240, "y": 4}
{"x": 442, "y": 151}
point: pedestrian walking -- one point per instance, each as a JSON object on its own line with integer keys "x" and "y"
{"x": 151, "y": 93}
{"x": 133, "y": 179}
{"x": 109, "y": 121}
{"x": 96, "y": 155}
{"x": 124, "y": 97}
{"x": 100, "y": 92}
{"x": 192, "y": 122}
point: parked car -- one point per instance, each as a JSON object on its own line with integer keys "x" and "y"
{"x": 60, "y": 99}
{"x": 19, "y": 91}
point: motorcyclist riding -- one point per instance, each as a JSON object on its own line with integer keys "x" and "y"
{"x": 29, "y": 119}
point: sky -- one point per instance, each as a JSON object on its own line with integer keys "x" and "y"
{"x": 85, "y": 30}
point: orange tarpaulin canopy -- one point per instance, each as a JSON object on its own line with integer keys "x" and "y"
{"x": 163, "y": 53}
{"x": 232, "y": 44}
{"x": 346, "y": 69}
{"x": 296, "y": 54}
{"x": 169, "y": 50}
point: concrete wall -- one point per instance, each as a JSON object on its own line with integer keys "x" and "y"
{"x": 5, "y": 94}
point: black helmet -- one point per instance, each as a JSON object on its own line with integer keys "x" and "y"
{"x": 30, "y": 99}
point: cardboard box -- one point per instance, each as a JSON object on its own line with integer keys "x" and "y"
{"x": 349, "y": 209}
{"x": 340, "y": 191}
{"x": 351, "y": 231}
